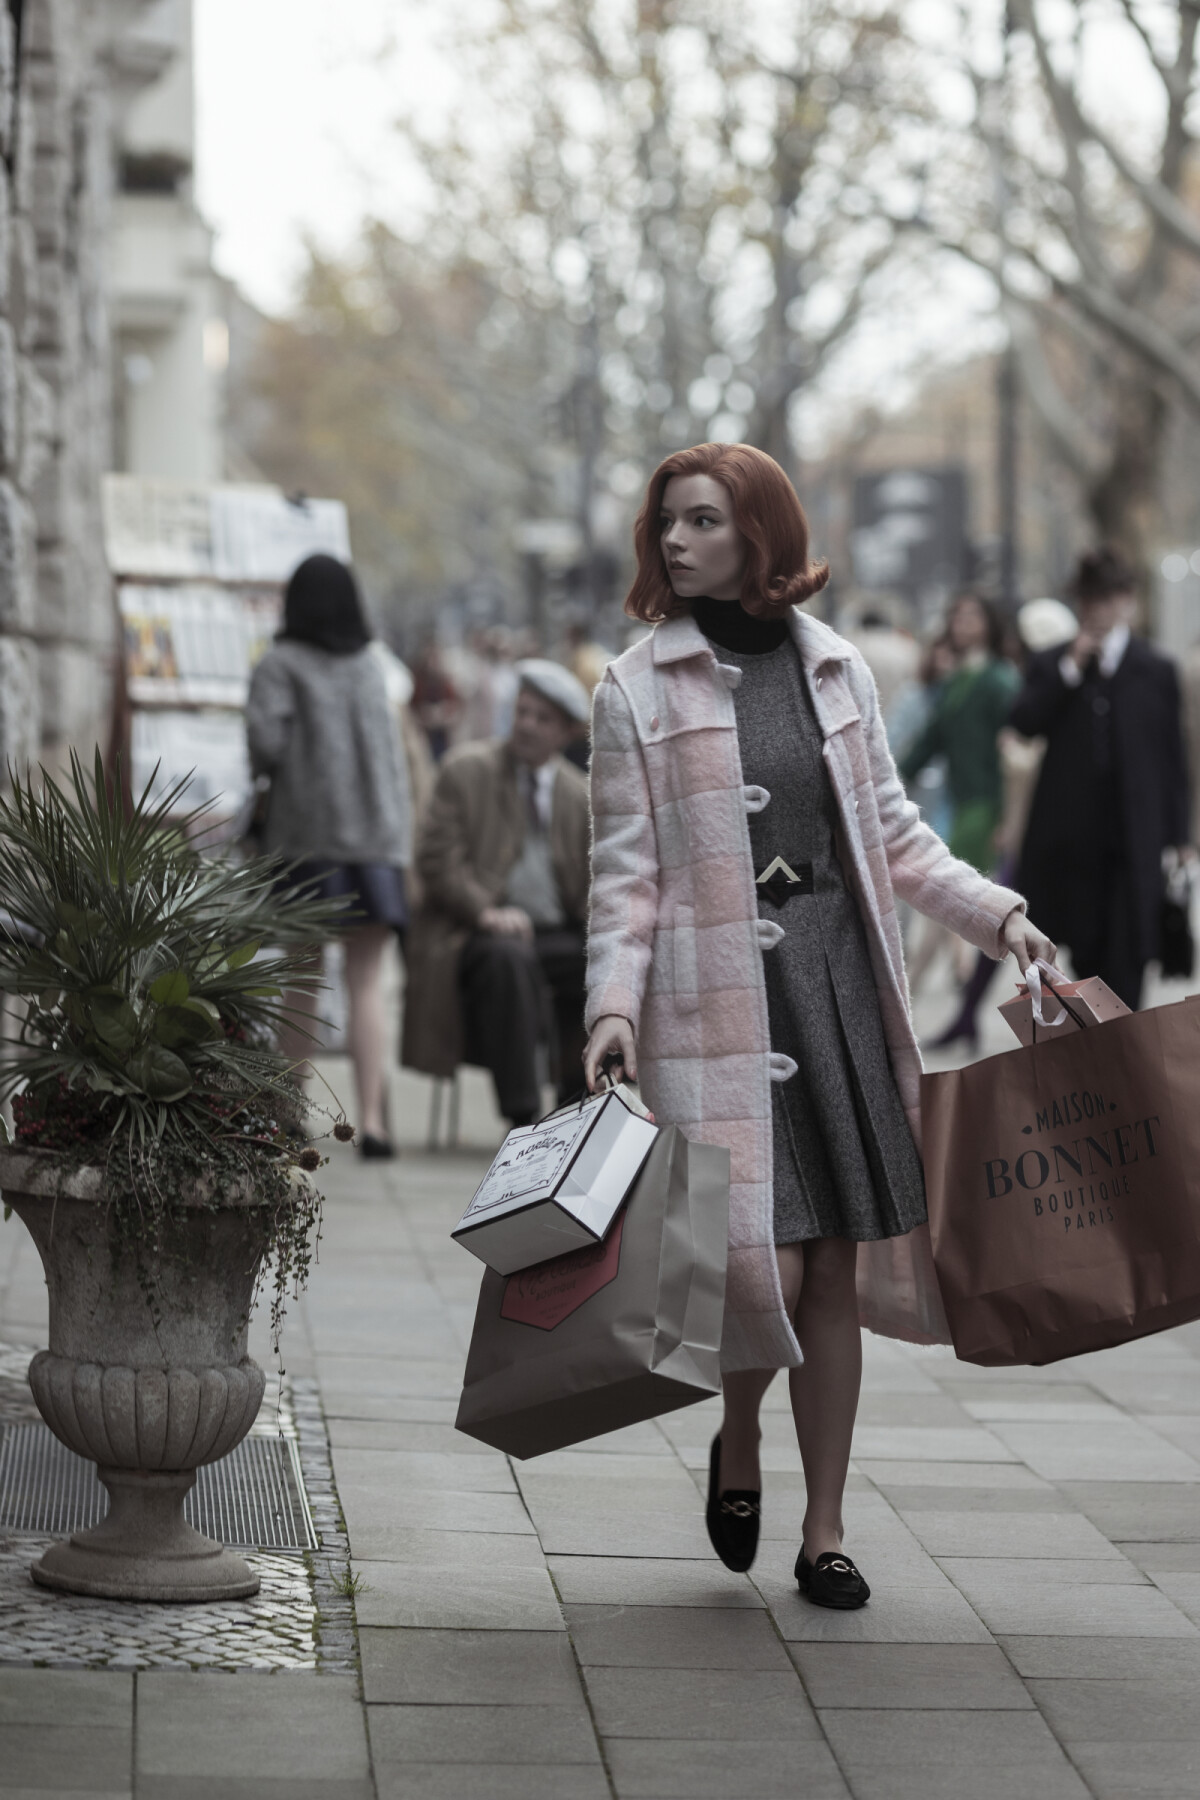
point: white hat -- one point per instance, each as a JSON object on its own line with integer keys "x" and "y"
{"x": 556, "y": 684}
{"x": 1044, "y": 624}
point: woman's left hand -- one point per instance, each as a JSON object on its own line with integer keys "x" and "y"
{"x": 1026, "y": 942}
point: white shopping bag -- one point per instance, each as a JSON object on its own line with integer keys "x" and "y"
{"x": 558, "y": 1185}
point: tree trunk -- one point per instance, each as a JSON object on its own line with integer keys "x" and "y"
{"x": 1124, "y": 501}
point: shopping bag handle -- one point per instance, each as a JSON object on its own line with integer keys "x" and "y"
{"x": 1037, "y": 977}
{"x": 576, "y": 1102}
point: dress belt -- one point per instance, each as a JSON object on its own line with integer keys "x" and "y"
{"x": 781, "y": 881}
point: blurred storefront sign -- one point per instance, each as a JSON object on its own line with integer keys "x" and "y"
{"x": 558, "y": 540}
{"x": 174, "y": 529}
{"x": 910, "y": 536}
{"x": 200, "y": 573}
{"x": 548, "y": 547}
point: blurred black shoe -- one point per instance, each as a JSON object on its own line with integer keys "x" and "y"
{"x": 376, "y": 1149}
{"x": 960, "y": 1030}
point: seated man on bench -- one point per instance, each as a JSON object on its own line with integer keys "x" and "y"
{"x": 497, "y": 947}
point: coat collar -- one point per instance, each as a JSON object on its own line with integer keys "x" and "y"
{"x": 676, "y": 639}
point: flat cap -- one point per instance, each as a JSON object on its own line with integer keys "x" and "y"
{"x": 554, "y": 683}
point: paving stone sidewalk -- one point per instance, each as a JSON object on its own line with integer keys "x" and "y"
{"x": 559, "y": 1630}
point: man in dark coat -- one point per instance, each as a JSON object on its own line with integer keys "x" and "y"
{"x": 1112, "y": 793}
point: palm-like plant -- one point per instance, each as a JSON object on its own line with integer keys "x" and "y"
{"x": 145, "y": 1005}
{"x": 138, "y": 964}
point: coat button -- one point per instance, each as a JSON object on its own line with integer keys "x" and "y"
{"x": 654, "y": 723}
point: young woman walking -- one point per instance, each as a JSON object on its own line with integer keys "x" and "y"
{"x": 744, "y": 962}
{"x": 319, "y": 724}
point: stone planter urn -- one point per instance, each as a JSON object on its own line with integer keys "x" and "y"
{"x": 146, "y": 1375}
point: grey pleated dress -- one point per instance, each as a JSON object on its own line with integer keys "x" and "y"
{"x": 845, "y": 1162}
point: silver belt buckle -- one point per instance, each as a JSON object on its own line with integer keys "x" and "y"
{"x": 780, "y": 882}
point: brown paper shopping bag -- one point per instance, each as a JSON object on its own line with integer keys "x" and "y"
{"x": 1064, "y": 1189}
{"x": 606, "y": 1336}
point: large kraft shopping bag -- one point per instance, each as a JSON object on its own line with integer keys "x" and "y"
{"x": 1064, "y": 1189}
{"x": 609, "y": 1335}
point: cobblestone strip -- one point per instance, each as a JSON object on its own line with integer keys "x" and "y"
{"x": 302, "y": 1618}
{"x": 272, "y": 1630}
{"x": 335, "y": 1626}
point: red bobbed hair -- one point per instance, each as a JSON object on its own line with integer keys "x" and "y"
{"x": 766, "y": 512}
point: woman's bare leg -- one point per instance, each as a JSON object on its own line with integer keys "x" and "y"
{"x": 743, "y": 1393}
{"x": 825, "y": 1389}
{"x": 366, "y": 1028}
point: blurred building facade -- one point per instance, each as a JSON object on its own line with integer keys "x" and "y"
{"x": 111, "y": 334}
{"x": 948, "y": 432}
{"x": 167, "y": 306}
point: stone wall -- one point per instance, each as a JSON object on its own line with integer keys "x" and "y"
{"x": 62, "y": 85}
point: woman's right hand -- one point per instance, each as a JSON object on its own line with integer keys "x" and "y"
{"x": 611, "y": 1036}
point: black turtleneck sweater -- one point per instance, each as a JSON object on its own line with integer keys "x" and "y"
{"x": 726, "y": 623}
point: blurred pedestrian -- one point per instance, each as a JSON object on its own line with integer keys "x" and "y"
{"x": 1040, "y": 625}
{"x": 1044, "y": 624}
{"x": 584, "y": 656}
{"x": 1112, "y": 793}
{"x": 893, "y": 656}
{"x": 913, "y": 705}
{"x": 969, "y": 708}
{"x": 498, "y": 940}
{"x": 505, "y": 683}
{"x": 1190, "y": 673}
{"x": 911, "y": 709}
{"x": 482, "y": 672}
{"x": 321, "y": 729}
{"x": 436, "y": 700}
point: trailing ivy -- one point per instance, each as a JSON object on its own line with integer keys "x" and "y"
{"x": 147, "y": 1006}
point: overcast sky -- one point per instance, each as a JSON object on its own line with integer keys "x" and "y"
{"x": 295, "y": 104}
{"x": 293, "y": 125}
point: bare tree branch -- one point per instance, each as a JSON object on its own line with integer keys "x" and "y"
{"x": 1134, "y": 18}
{"x": 1085, "y": 237}
{"x": 1076, "y": 442}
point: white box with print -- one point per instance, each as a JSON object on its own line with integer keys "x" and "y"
{"x": 558, "y": 1185}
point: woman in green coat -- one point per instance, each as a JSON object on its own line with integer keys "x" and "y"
{"x": 963, "y": 727}
{"x": 967, "y": 715}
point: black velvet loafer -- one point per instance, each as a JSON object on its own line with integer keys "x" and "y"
{"x": 732, "y": 1517}
{"x": 832, "y": 1580}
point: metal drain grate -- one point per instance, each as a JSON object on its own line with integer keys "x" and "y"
{"x": 252, "y": 1499}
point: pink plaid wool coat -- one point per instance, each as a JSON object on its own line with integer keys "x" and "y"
{"x": 675, "y": 944}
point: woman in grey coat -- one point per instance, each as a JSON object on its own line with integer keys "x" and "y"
{"x": 320, "y": 727}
